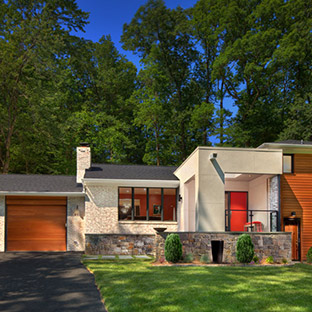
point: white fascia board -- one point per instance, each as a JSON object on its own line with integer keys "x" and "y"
{"x": 132, "y": 182}
{"x": 68, "y": 194}
{"x": 285, "y": 145}
{"x": 288, "y": 148}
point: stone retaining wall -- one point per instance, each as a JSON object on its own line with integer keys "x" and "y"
{"x": 120, "y": 244}
{"x": 277, "y": 245}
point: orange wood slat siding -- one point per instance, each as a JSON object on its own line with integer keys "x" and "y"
{"x": 296, "y": 195}
{"x": 36, "y": 223}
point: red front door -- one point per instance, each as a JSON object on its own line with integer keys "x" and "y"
{"x": 238, "y": 210}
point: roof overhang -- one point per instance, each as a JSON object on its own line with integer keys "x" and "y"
{"x": 68, "y": 194}
{"x": 288, "y": 148}
{"x": 132, "y": 182}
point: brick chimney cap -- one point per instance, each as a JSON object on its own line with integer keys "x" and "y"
{"x": 84, "y": 144}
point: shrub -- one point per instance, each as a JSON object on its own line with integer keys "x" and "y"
{"x": 255, "y": 259}
{"x": 244, "y": 249}
{"x": 309, "y": 255}
{"x": 269, "y": 260}
{"x": 188, "y": 258}
{"x": 204, "y": 259}
{"x": 284, "y": 261}
{"x": 173, "y": 248}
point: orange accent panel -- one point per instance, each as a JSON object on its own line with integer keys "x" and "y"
{"x": 296, "y": 195}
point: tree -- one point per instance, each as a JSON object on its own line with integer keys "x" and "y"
{"x": 33, "y": 39}
{"x": 159, "y": 33}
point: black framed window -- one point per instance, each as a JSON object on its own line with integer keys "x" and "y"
{"x": 147, "y": 204}
{"x": 288, "y": 163}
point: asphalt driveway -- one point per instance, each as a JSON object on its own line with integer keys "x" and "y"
{"x": 46, "y": 282}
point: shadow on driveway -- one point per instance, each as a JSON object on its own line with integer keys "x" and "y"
{"x": 46, "y": 282}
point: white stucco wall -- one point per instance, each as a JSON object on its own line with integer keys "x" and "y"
{"x": 209, "y": 178}
{"x": 76, "y": 223}
{"x": 238, "y": 186}
{"x": 102, "y": 214}
{"x": 2, "y": 223}
{"x": 189, "y": 199}
{"x": 258, "y": 200}
{"x": 187, "y": 172}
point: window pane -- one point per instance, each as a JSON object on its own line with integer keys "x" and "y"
{"x": 170, "y": 205}
{"x": 287, "y": 164}
{"x": 125, "y": 203}
{"x": 140, "y": 203}
{"x": 154, "y": 195}
{"x": 226, "y": 211}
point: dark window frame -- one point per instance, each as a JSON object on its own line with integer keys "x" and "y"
{"x": 292, "y": 163}
{"x": 147, "y": 203}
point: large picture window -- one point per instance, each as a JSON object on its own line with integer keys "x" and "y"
{"x": 147, "y": 204}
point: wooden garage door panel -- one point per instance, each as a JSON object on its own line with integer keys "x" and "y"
{"x": 37, "y": 246}
{"x": 35, "y": 211}
{"x": 36, "y": 226}
{"x": 39, "y": 200}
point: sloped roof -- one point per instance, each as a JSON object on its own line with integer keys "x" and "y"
{"x": 130, "y": 172}
{"x": 38, "y": 183}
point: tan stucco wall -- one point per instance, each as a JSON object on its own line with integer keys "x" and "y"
{"x": 75, "y": 224}
{"x": 102, "y": 214}
{"x": 209, "y": 179}
{"x": 2, "y": 223}
{"x": 210, "y": 210}
{"x": 258, "y": 200}
{"x": 238, "y": 186}
{"x": 187, "y": 173}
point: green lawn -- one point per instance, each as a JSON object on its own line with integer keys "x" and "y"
{"x": 136, "y": 285}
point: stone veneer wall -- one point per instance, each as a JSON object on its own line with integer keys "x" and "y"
{"x": 118, "y": 244}
{"x": 2, "y": 223}
{"x": 75, "y": 224}
{"x": 102, "y": 214}
{"x": 276, "y": 244}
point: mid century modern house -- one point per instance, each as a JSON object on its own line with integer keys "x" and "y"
{"x": 217, "y": 190}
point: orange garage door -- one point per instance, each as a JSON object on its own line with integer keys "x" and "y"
{"x": 36, "y": 223}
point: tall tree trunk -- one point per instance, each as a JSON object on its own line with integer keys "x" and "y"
{"x": 221, "y": 115}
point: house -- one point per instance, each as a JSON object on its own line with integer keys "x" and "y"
{"x": 116, "y": 208}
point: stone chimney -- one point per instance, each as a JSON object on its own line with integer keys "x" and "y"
{"x": 83, "y": 160}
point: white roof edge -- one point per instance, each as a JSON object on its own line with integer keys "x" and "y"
{"x": 132, "y": 182}
{"x": 70, "y": 194}
{"x": 255, "y": 149}
{"x": 285, "y": 145}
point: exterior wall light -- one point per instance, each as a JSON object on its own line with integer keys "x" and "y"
{"x": 293, "y": 214}
{"x": 213, "y": 156}
{"x": 180, "y": 197}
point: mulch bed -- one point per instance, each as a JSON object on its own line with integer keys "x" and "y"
{"x": 197, "y": 263}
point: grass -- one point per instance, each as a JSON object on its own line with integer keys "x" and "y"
{"x": 136, "y": 285}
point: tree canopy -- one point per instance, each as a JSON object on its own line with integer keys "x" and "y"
{"x": 58, "y": 89}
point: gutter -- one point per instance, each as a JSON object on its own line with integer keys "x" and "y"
{"x": 132, "y": 182}
{"x": 68, "y": 194}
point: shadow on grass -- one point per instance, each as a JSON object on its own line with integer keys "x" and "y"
{"x": 136, "y": 285}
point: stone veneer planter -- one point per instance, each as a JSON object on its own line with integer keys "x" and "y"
{"x": 120, "y": 244}
{"x": 277, "y": 244}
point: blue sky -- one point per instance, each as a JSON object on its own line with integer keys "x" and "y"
{"x": 107, "y": 17}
